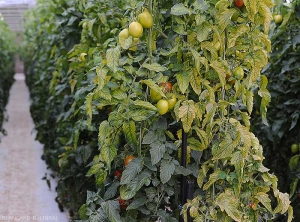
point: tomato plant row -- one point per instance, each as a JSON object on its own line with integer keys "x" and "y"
{"x": 117, "y": 84}
{"x": 7, "y": 68}
{"x": 281, "y": 137}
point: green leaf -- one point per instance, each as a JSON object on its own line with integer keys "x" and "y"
{"x": 129, "y": 191}
{"x": 293, "y": 186}
{"x": 129, "y": 130}
{"x": 171, "y": 52}
{"x": 131, "y": 170}
{"x": 144, "y": 104}
{"x": 136, "y": 203}
{"x": 154, "y": 67}
{"x": 180, "y": 9}
{"x": 293, "y": 163}
{"x": 187, "y": 114}
{"x": 94, "y": 169}
{"x": 111, "y": 208}
{"x": 229, "y": 203}
{"x": 157, "y": 151}
{"x": 150, "y": 137}
{"x": 167, "y": 169}
{"x": 112, "y": 57}
{"x": 222, "y": 175}
{"x": 290, "y": 214}
{"x": 183, "y": 81}
{"x": 112, "y": 190}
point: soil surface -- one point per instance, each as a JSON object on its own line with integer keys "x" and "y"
{"x": 24, "y": 196}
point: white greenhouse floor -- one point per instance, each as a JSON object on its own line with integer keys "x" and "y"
{"x": 24, "y": 196}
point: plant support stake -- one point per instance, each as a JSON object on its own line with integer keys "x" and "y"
{"x": 184, "y": 183}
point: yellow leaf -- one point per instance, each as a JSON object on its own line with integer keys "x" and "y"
{"x": 187, "y": 114}
{"x": 229, "y": 203}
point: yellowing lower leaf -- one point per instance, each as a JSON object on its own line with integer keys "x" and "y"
{"x": 144, "y": 104}
{"x": 112, "y": 57}
{"x": 265, "y": 200}
{"x": 183, "y": 81}
{"x": 230, "y": 204}
{"x": 187, "y": 114}
{"x": 222, "y": 68}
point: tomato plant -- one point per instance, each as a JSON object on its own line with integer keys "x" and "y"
{"x": 283, "y": 123}
{"x": 7, "y": 50}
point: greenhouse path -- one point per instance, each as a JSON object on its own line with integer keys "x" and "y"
{"x": 24, "y": 196}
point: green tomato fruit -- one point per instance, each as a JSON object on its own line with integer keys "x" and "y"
{"x": 162, "y": 106}
{"x": 124, "y": 34}
{"x": 146, "y": 19}
{"x": 238, "y": 73}
{"x": 135, "y": 29}
{"x": 295, "y": 148}
{"x": 278, "y": 18}
{"x": 171, "y": 102}
{"x": 154, "y": 95}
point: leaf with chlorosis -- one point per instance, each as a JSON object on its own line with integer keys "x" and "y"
{"x": 154, "y": 67}
{"x": 144, "y": 104}
{"x": 230, "y": 204}
{"x": 187, "y": 114}
{"x": 113, "y": 57}
{"x": 182, "y": 81}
